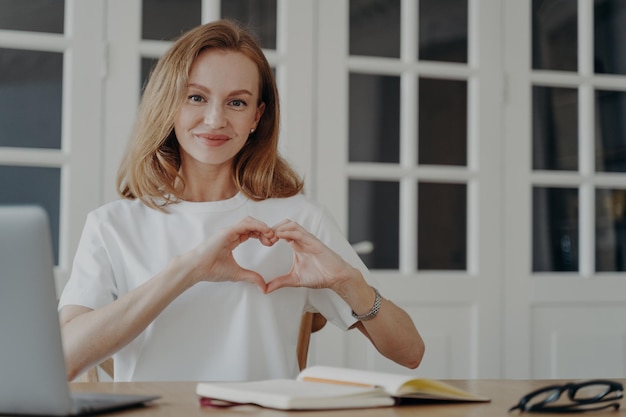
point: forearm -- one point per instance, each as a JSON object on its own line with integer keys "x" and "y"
{"x": 394, "y": 335}
{"x": 392, "y": 331}
{"x": 90, "y": 336}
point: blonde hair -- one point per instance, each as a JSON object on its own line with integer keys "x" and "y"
{"x": 150, "y": 168}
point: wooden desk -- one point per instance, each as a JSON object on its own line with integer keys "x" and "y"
{"x": 179, "y": 399}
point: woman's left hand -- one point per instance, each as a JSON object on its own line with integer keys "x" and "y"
{"x": 315, "y": 265}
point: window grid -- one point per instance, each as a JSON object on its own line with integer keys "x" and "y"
{"x": 83, "y": 53}
{"x": 33, "y": 157}
{"x": 586, "y": 179}
{"x": 407, "y": 172}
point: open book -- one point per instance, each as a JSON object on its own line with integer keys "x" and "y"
{"x": 324, "y": 387}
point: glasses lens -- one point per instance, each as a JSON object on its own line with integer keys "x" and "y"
{"x": 594, "y": 392}
{"x": 544, "y": 397}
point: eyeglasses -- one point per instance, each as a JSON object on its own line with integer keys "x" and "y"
{"x": 584, "y": 396}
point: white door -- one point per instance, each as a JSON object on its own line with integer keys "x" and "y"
{"x": 408, "y": 131}
{"x": 565, "y": 189}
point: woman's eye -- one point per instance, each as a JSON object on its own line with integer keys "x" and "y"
{"x": 195, "y": 98}
{"x": 237, "y": 103}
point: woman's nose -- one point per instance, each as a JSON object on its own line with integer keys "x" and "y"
{"x": 214, "y": 116}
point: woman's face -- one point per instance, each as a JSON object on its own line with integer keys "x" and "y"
{"x": 219, "y": 110}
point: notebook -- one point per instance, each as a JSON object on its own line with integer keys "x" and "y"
{"x": 32, "y": 367}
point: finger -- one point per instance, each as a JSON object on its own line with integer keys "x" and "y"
{"x": 246, "y": 275}
{"x": 290, "y": 234}
{"x": 250, "y": 224}
{"x": 282, "y": 281}
{"x": 300, "y": 241}
{"x": 268, "y": 239}
{"x": 250, "y": 227}
{"x": 290, "y": 227}
{"x": 263, "y": 238}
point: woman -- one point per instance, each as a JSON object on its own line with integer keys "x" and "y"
{"x": 203, "y": 269}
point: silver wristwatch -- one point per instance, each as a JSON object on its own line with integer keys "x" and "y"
{"x": 373, "y": 312}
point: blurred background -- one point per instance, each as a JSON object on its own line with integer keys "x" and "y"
{"x": 473, "y": 151}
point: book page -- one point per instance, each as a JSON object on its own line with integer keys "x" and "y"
{"x": 396, "y": 385}
{"x": 390, "y": 382}
{"x": 432, "y": 389}
{"x": 289, "y": 394}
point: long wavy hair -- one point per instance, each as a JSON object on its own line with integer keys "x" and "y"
{"x": 151, "y": 166}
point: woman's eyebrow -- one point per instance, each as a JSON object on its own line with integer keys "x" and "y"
{"x": 198, "y": 86}
{"x": 232, "y": 93}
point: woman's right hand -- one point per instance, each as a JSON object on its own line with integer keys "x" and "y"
{"x": 213, "y": 260}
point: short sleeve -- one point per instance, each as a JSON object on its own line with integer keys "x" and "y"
{"x": 92, "y": 282}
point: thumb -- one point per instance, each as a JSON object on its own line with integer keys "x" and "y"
{"x": 281, "y": 282}
{"x": 252, "y": 277}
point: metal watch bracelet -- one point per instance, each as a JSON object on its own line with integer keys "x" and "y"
{"x": 373, "y": 312}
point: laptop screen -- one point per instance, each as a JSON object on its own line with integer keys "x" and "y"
{"x": 32, "y": 365}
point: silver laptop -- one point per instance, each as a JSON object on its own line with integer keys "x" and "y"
{"x": 32, "y": 367}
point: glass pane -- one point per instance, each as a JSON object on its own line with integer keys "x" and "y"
{"x": 442, "y": 122}
{"x": 555, "y": 229}
{"x": 609, "y": 41}
{"x": 374, "y": 217}
{"x": 32, "y": 15}
{"x": 374, "y": 118}
{"x": 610, "y": 230}
{"x": 31, "y": 96}
{"x": 443, "y": 30}
{"x": 610, "y": 131}
{"x": 555, "y": 128}
{"x": 168, "y": 19}
{"x": 555, "y": 35}
{"x": 34, "y": 185}
{"x": 375, "y": 28}
{"x": 442, "y": 226}
{"x": 258, "y": 15}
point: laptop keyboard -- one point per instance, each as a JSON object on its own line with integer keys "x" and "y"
{"x": 90, "y": 402}
{"x": 94, "y": 404}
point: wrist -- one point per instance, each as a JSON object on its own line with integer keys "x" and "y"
{"x": 350, "y": 286}
{"x": 183, "y": 268}
{"x": 364, "y": 300}
{"x": 372, "y": 311}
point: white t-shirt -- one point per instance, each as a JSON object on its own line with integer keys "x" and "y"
{"x": 213, "y": 331}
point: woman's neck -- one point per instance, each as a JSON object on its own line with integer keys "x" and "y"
{"x": 208, "y": 186}
{"x": 208, "y": 194}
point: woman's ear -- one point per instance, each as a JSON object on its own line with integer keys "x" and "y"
{"x": 259, "y": 112}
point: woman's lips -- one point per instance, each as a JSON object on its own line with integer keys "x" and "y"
{"x": 211, "y": 139}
